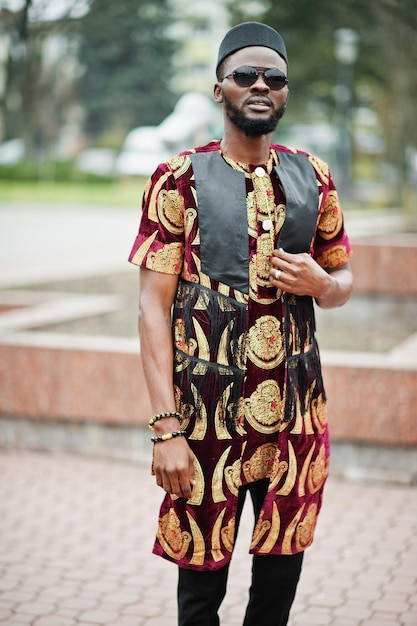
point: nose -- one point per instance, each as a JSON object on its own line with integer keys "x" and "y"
{"x": 260, "y": 84}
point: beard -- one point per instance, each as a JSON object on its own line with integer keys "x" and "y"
{"x": 252, "y": 127}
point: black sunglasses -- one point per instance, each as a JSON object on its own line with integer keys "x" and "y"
{"x": 246, "y": 76}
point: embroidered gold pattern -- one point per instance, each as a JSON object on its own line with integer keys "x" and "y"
{"x": 331, "y": 219}
{"x": 318, "y": 471}
{"x": 189, "y": 347}
{"x": 319, "y": 413}
{"x": 271, "y": 540}
{"x": 303, "y": 473}
{"x": 153, "y": 203}
{"x": 263, "y": 263}
{"x": 180, "y": 164}
{"x": 190, "y": 218}
{"x": 199, "y": 486}
{"x": 222, "y": 356}
{"x": 200, "y": 427}
{"x": 304, "y": 421}
{"x": 261, "y": 462}
{"x": 203, "y": 345}
{"x": 143, "y": 249}
{"x": 198, "y": 541}
{"x": 291, "y": 474}
{"x": 334, "y": 257}
{"x": 220, "y": 415}
{"x": 263, "y": 409}
{"x": 217, "y": 481}
{"x": 321, "y": 167}
{"x": 232, "y": 477}
{"x": 262, "y": 527}
{"x": 215, "y": 538}
{"x": 228, "y": 534}
{"x": 174, "y": 542}
{"x": 171, "y": 211}
{"x": 278, "y": 470}
{"x": 265, "y": 348}
{"x": 251, "y": 209}
{"x": 167, "y": 259}
{"x": 305, "y": 530}
{"x": 289, "y": 533}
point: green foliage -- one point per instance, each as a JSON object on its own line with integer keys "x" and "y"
{"x": 126, "y": 193}
{"x": 127, "y": 59}
{"x": 57, "y": 171}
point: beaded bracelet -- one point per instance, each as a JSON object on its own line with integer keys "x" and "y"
{"x": 159, "y": 416}
{"x": 167, "y": 436}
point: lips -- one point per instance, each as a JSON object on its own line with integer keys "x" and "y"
{"x": 259, "y": 103}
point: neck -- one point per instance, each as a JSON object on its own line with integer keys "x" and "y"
{"x": 239, "y": 147}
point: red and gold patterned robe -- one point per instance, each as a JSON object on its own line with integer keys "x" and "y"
{"x": 235, "y": 358}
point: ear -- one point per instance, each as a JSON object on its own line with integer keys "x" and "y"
{"x": 218, "y": 95}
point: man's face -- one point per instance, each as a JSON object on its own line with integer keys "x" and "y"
{"x": 257, "y": 109}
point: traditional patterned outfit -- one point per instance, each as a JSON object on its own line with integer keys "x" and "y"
{"x": 247, "y": 375}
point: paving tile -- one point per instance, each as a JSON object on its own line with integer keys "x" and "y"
{"x": 128, "y": 620}
{"x": 36, "y": 608}
{"x": 74, "y": 557}
{"x": 142, "y": 609}
{"x": 61, "y": 591}
{"x": 409, "y": 618}
{"x": 4, "y": 613}
{"x": 326, "y": 599}
{"x": 353, "y": 611}
{"x": 313, "y": 618}
{"x": 52, "y": 620}
{"x": 63, "y": 612}
{"x": 391, "y": 603}
{"x": 124, "y": 597}
{"x": 19, "y": 619}
{"x": 5, "y": 606}
{"x": 17, "y": 596}
{"x": 380, "y": 620}
{"x": 167, "y": 621}
{"x": 99, "y": 617}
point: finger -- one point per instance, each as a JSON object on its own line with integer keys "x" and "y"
{"x": 181, "y": 488}
{"x": 281, "y": 254}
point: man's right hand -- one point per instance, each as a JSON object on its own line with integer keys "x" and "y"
{"x": 173, "y": 466}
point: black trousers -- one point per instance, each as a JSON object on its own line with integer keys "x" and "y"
{"x": 272, "y": 590}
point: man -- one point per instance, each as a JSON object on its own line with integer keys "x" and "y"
{"x": 237, "y": 239}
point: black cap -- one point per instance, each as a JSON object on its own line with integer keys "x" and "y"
{"x": 251, "y": 34}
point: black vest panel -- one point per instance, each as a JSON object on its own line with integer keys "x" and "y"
{"x": 223, "y": 220}
{"x": 297, "y": 177}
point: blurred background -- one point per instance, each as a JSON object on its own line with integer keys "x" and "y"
{"x": 93, "y": 95}
{"x": 99, "y": 91}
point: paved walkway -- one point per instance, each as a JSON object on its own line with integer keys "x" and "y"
{"x": 42, "y": 243}
{"x": 76, "y": 537}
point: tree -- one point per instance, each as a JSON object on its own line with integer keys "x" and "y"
{"x": 37, "y": 93}
{"x": 127, "y": 57}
